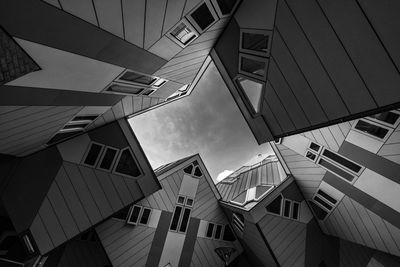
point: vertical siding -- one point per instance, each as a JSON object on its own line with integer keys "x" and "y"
{"x": 287, "y": 239}
{"x": 353, "y": 222}
{"x": 125, "y": 245}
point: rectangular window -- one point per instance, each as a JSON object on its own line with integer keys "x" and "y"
{"x": 125, "y": 89}
{"x": 183, "y": 34}
{"x": 275, "y": 205}
{"x": 93, "y": 154}
{"x": 326, "y": 196}
{"x": 181, "y": 200}
{"x": 210, "y": 230}
{"x": 286, "y": 208}
{"x": 342, "y": 161}
{"x": 311, "y": 155}
{"x": 255, "y": 42}
{"x": 238, "y": 221}
{"x": 185, "y": 220}
{"x": 218, "y": 232}
{"x": 336, "y": 170}
{"x": 134, "y": 215}
{"x": 175, "y": 218}
{"x": 371, "y": 129}
{"x": 295, "y": 210}
{"x": 322, "y": 203}
{"x": 136, "y": 78}
{"x": 315, "y": 147}
{"x": 189, "y": 202}
{"x": 225, "y": 7}
{"x": 76, "y": 126}
{"x": 108, "y": 158}
{"x": 252, "y": 66}
{"x": 202, "y": 17}
{"x": 145, "y": 216}
{"x": 84, "y": 118}
{"x": 389, "y": 117}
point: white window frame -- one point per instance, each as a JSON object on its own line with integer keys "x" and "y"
{"x": 253, "y": 52}
{"x": 188, "y": 25}
{"x": 384, "y": 139}
{"x": 339, "y": 165}
{"x": 312, "y": 152}
{"x": 118, "y": 79}
{"x": 218, "y": 9}
{"x": 134, "y": 158}
{"x": 255, "y": 58}
{"x": 102, "y": 157}
{"x": 142, "y": 208}
{"x": 87, "y": 152}
{"x": 193, "y": 21}
{"x": 236, "y": 218}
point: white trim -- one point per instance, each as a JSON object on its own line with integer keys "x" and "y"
{"x": 189, "y": 26}
{"x": 102, "y": 157}
{"x": 254, "y": 52}
{"x": 390, "y": 130}
{"x": 118, "y": 79}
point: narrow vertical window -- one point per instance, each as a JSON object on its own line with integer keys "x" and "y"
{"x": 93, "y": 154}
{"x": 175, "y": 218}
{"x": 185, "y": 220}
{"x": 210, "y": 230}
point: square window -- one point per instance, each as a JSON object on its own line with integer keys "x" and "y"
{"x": 202, "y": 17}
{"x": 256, "y": 42}
{"x": 252, "y": 66}
{"x": 134, "y": 215}
{"x": 133, "y": 77}
{"x": 183, "y": 34}
{"x": 315, "y": 147}
{"x": 189, "y": 202}
{"x": 181, "y": 200}
{"x": 93, "y": 154}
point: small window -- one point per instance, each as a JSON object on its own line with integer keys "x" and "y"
{"x": 228, "y": 234}
{"x": 275, "y": 205}
{"x": 189, "y": 202}
{"x": 181, "y": 200}
{"x": 371, "y": 129}
{"x": 311, "y": 155}
{"x": 108, "y": 158}
{"x": 134, "y": 215}
{"x": 84, "y": 118}
{"x": 342, "y": 161}
{"x": 197, "y": 172}
{"x": 315, "y": 147}
{"x": 93, "y": 154}
{"x": 148, "y": 92}
{"x": 238, "y": 221}
{"x": 183, "y": 34}
{"x": 286, "y": 208}
{"x": 145, "y": 216}
{"x": 202, "y": 17}
{"x": 160, "y": 82}
{"x": 278, "y": 141}
{"x": 210, "y": 230}
{"x": 319, "y": 212}
{"x": 175, "y": 218}
{"x": 225, "y": 7}
{"x": 253, "y": 91}
{"x": 295, "y": 210}
{"x": 126, "y": 164}
{"x": 124, "y": 89}
{"x": 185, "y": 220}
{"x": 253, "y": 66}
{"x": 75, "y": 126}
{"x": 188, "y": 169}
{"x": 136, "y": 78}
{"x": 389, "y": 117}
{"x": 336, "y": 170}
{"x": 326, "y": 196}
{"x": 323, "y": 203}
{"x": 218, "y": 231}
{"x": 255, "y": 42}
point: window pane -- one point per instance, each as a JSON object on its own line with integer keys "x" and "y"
{"x": 295, "y": 211}
{"x": 336, "y": 170}
{"x": 85, "y": 118}
{"x": 137, "y": 78}
{"x": 145, "y": 216}
{"x": 218, "y": 231}
{"x": 78, "y": 125}
{"x": 189, "y": 202}
{"x": 181, "y": 199}
{"x": 253, "y": 91}
{"x": 327, "y": 197}
{"x": 286, "y": 211}
{"x": 197, "y": 172}
{"x": 371, "y": 129}
{"x": 210, "y": 230}
{"x": 203, "y": 16}
{"x": 228, "y": 234}
{"x": 311, "y": 155}
{"x": 322, "y": 202}
{"x": 253, "y": 66}
{"x": 108, "y": 158}
{"x": 188, "y": 169}
{"x": 342, "y": 161}
{"x": 226, "y": 6}
{"x": 127, "y": 165}
{"x": 185, "y": 220}
{"x": 183, "y": 34}
{"x": 275, "y": 205}
{"x": 319, "y": 212}
{"x": 241, "y": 198}
{"x": 260, "y": 190}
{"x": 94, "y": 152}
{"x": 388, "y": 117}
{"x": 175, "y": 218}
{"x": 255, "y": 41}
{"x": 315, "y": 146}
{"x": 134, "y": 215}
{"x": 125, "y": 89}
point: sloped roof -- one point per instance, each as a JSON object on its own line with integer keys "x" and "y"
{"x": 166, "y": 167}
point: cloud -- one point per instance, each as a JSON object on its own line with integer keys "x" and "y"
{"x": 222, "y": 175}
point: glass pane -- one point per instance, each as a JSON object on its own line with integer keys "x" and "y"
{"x": 203, "y": 16}
{"x": 127, "y": 165}
{"x": 388, "y": 117}
{"x": 327, "y": 197}
{"x": 314, "y": 146}
{"x": 255, "y": 41}
{"x": 197, "y": 172}
{"x": 175, "y": 218}
{"x": 336, "y": 170}
{"x": 275, "y": 205}
{"x": 145, "y": 216}
{"x": 188, "y": 169}
{"x": 210, "y": 230}
{"x": 189, "y": 202}
{"x": 134, "y": 215}
{"x": 218, "y": 231}
{"x": 241, "y": 198}
{"x": 323, "y": 203}
{"x": 183, "y": 34}
{"x": 108, "y": 158}
{"x": 137, "y": 78}
{"x": 78, "y": 125}
{"x": 295, "y": 211}
{"x": 253, "y": 91}
{"x": 125, "y": 89}
{"x": 181, "y": 199}
{"x": 226, "y": 6}
{"x": 228, "y": 234}
{"x": 185, "y": 220}
{"x": 253, "y": 66}
{"x": 286, "y": 211}
{"x": 311, "y": 155}
{"x": 371, "y": 129}
{"x": 94, "y": 152}
{"x": 342, "y": 161}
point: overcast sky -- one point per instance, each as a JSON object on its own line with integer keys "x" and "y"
{"x": 207, "y": 122}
